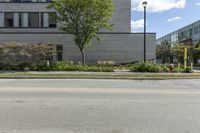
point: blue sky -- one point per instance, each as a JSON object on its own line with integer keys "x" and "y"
{"x": 165, "y": 16}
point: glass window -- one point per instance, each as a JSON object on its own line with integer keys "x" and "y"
{"x": 195, "y": 30}
{"x": 199, "y": 29}
{"x": 1, "y": 20}
{"x": 59, "y": 49}
{"x": 9, "y": 22}
{"x": 190, "y": 32}
{"x": 52, "y": 20}
{"x": 25, "y": 1}
{"x": 44, "y": 20}
{"x": 33, "y": 20}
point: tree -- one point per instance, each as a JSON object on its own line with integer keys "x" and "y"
{"x": 83, "y": 19}
{"x": 196, "y": 52}
{"x": 24, "y": 53}
{"x": 164, "y": 51}
{"x": 178, "y": 51}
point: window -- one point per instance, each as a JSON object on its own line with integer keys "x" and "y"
{"x": 33, "y": 20}
{"x": 190, "y": 32}
{"x": 44, "y": 20}
{"x": 52, "y": 20}
{"x": 199, "y": 29}
{"x": 182, "y": 34}
{"x": 9, "y": 22}
{"x": 1, "y": 20}
{"x": 59, "y": 49}
{"x": 28, "y": 20}
{"x": 196, "y": 30}
{"x": 48, "y": 20}
{"x": 25, "y": 1}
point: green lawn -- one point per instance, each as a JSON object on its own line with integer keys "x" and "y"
{"x": 103, "y": 75}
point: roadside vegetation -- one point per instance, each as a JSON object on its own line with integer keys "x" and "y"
{"x": 40, "y": 57}
{"x": 168, "y": 54}
{"x": 70, "y": 66}
{"x": 83, "y": 19}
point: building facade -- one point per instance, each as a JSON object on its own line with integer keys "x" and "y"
{"x": 29, "y": 21}
{"x": 190, "y": 33}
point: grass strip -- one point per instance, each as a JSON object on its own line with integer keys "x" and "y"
{"x": 102, "y": 76}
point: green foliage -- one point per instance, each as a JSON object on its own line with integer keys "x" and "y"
{"x": 83, "y": 19}
{"x": 39, "y": 67}
{"x": 187, "y": 70}
{"x": 178, "y": 51}
{"x": 145, "y": 67}
{"x": 165, "y": 68}
{"x": 19, "y": 52}
{"x": 150, "y": 67}
{"x": 196, "y": 53}
{"x": 67, "y": 66}
{"x": 59, "y": 66}
{"x": 24, "y": 67}
{"x": 164, "y": 52}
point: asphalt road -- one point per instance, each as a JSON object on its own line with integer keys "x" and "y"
{"x": 99, "y": 106}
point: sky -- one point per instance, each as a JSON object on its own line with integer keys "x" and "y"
{"x": 164, "y": 16}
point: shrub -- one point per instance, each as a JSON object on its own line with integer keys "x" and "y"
{"x": 164, "y": 68}
{"x": 59, "y": 66}
{"x": 145, "y": 67}
{"x": 68, "y": 66}
{"x": 40, "y": 67}
{"x": 187, "y": 70}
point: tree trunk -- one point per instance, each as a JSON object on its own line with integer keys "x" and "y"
{"x": 83, "y": 57}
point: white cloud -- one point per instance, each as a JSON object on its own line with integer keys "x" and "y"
{"x": 174, "y": 19}
{"x": 158, "y": 5}
{"x": 136, "y": 25}
{"x": 133, "y": 9}
{"x": 198, "y": 4}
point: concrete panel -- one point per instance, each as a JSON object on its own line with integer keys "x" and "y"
{"x": 121, "y": 18}
{"x": 120, "y": 48}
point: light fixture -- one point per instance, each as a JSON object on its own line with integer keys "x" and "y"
{"x": 144, "y": 4}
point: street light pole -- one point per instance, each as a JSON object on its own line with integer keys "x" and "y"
{"x": 144, "y": 5}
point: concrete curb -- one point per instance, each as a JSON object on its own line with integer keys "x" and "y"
{"x": 112, "y": 78}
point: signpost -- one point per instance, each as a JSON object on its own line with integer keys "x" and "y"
{"x": 185, "y": 58}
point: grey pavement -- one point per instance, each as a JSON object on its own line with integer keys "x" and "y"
{"x": 99, "y": 106}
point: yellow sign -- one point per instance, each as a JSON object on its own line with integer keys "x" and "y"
{"x": 185, "y": 58}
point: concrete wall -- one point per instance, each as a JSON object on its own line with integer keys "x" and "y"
{"x": 121, "y": 18}
{"x": 119, "y": 45}
{"x": 120, "y": 48}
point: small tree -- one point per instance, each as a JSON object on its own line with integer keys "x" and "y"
{"x": 196, "y": 52}
{"x": 83, "y": 19}
{"x": 178, "y": 51}
{"x": 164, "y": 51}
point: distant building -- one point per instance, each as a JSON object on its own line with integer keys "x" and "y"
{"x": 190, "y": 33}
{"x": 29, "y": 21}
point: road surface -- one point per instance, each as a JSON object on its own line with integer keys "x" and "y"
{"x": 99, "y": 106}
